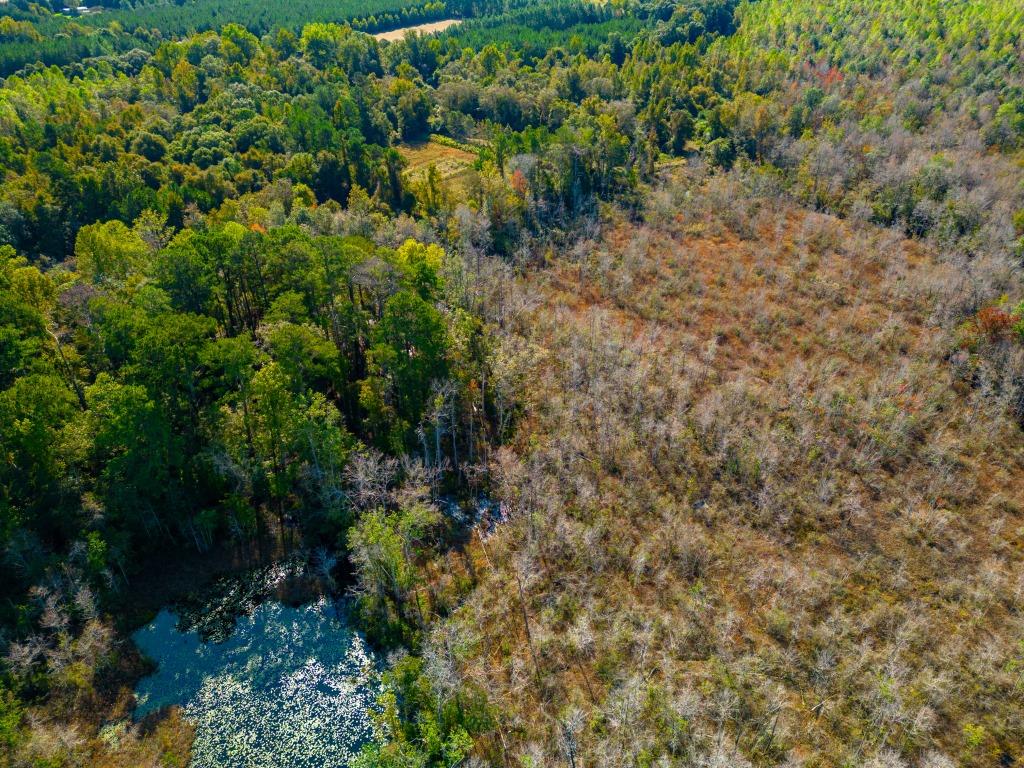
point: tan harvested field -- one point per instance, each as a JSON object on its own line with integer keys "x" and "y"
{"x": 423, "y": 29}
{"x": 450, "y": 162}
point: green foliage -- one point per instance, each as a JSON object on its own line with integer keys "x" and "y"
{"x": 531, "y": 32}
{"x": 422, "y": 265}
{"x": 10, "y": 721}
{"x": 125, "y": 28}
{"x": 407, "y": 356}
{"x": 187, "y": 389}
{"x": 24, "y": 292}
{"x": 109, "y": 252}
{"x": 385, "y": 548}
{"x": 421, "y": 727}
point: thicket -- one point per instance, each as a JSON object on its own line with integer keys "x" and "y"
{"x": 753, "y": 521}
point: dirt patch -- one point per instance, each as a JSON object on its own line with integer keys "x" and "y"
{"x": 423, "y": 29}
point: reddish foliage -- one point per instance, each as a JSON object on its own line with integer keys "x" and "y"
{"x": 994, "y": 322}
{"x": 831, "y": 77}
{"x": 519, "y": 182}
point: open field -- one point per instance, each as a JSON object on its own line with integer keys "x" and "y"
{"x": 450, "y": 162}
{"x": 423, "y": 29}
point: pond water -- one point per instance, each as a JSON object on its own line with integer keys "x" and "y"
{"x": 275, "y": 686}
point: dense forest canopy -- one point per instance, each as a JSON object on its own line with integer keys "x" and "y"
{"x": 719, "y": 302}
{"x": 38, "y": 34}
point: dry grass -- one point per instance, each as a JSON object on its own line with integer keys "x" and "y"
{"x": 451, "y": 162}
{"x": 753, "y": 520}
{"x": 92, "y": 725}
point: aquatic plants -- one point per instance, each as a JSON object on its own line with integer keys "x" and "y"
{"x": 288, "y": 687}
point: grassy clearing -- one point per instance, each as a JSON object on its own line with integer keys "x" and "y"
{"x": 451, "y": 162}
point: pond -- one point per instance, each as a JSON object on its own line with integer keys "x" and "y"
{"x": 264, "y": 683}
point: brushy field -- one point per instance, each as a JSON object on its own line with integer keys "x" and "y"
{"x": 755, "y": 519}
{"x": 451, "y": 162}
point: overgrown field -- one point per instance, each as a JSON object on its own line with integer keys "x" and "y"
{"x": 753, "y": 517}
{"x": 449, "y": 162}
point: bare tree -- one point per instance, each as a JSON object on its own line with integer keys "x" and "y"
{"x": 369, "y": 477}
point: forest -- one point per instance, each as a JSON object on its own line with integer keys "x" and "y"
{"x": 646, "y": 376}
